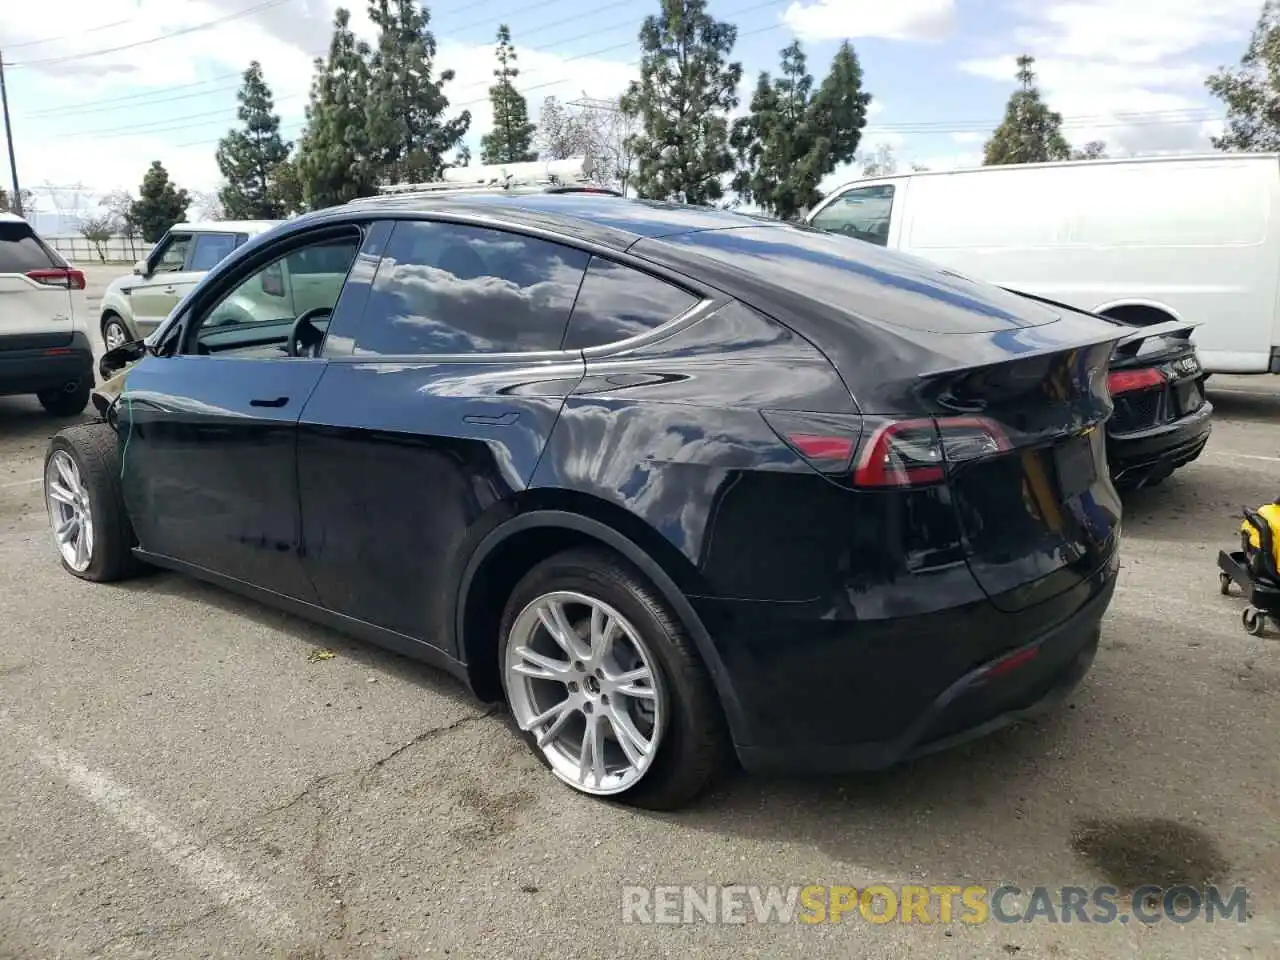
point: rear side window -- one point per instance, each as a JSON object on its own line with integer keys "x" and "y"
{"x": 447, "y": 288}
{"x": 616, "y": 302}
{"x": 21, "y": 251}
{"x": 862, "y": 213}
{"x": 210, "y": 248}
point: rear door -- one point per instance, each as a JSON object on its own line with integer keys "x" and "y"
{"x": 35, "y": 291}
{"x": 437, "y": 408}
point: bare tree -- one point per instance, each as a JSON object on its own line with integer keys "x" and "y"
{"x": 607, "y": 133}
{"x": 205, "y": 205}
{"x": 97, "y": 230}
{"x": 560, "y": 133}
{"x": 879, "y": 163}
{"x": 118, "y": 207}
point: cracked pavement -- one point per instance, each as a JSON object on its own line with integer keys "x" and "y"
{"x": 178, "y": 780}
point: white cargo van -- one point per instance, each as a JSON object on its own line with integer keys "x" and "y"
{"x": 1145, "y": 240}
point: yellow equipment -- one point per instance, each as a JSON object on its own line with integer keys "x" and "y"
{"x": 1260, "y": 539}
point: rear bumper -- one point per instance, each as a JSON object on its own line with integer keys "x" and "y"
{"x": 864, "y": 706}
{"x": 34, "y": 371}
{"x": 1143, "y": 455}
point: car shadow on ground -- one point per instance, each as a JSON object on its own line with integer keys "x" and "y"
{"x": 366, "y": 655}
{"x": 1244, "y": 403}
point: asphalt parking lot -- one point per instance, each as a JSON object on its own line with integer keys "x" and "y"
{"x": 183, "y": 777}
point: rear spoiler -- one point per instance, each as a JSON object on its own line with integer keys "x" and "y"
{"x": 1170, "y": 328}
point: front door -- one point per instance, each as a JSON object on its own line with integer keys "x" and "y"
{"x": 440, "y": 411}
{"x": 167, "y": 281}
{"x": 209, "y": 443}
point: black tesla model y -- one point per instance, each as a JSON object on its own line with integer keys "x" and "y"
{"x": 675, "y": 483}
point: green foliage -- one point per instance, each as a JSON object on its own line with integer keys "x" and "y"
{"x": 512, "y": 133}
{"x": 159, "y": 205}
{"x": 1030, "y": 131}
{"x": 1252, "y": 91}
{"x": 794, "y": 135}
{"x": 407, "y": 132}
{"x": 251, "y": 159}
{"x": 97, "y": 230}
{"x": 334, "y": 162}
{"x": 682, "y": 101}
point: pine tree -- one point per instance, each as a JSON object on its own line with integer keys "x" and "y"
{"x": 159, "y": 205}
{"x": 1252, "y": 91}
{"x": 1030, "y": 131}
{"x": 794, "y": 135}
{"x": 334, "y": 162}
{"x": 512, "y": 133}
{"x": 682, "y": 101}
{"x": 249, "y": 158}
{"x": 408, "y": 134}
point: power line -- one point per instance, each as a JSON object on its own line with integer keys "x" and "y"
{"x": 68, "y": 36}
{"x": 195, "y": 28}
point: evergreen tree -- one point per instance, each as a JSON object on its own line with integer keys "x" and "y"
{"x": 1030, "y": 131}
{"x": 408, "y": 134}
{"x": 159, "y": 205}
{"x": 1252, "y": 91}
{"x": 682, "y": 101}
{"x": 512, "y": 134}
{"x": 250, "y": 159}
{"x": 794, "y": 135}
{"x": 334, "y": 162}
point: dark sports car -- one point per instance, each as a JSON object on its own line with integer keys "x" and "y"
{"x": 675, "y": 483}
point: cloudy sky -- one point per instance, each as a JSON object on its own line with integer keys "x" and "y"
{"x": 99, "y": 88}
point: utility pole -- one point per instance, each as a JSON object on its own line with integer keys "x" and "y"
{"x": 8, "y": 135}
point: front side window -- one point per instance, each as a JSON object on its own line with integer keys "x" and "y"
{"x": 617, "y": 302}
{"x": 172, "y": 255}
{"x": 256, "y": 317}
{"x": 209, "y": 249}
{"x": 862, "y": 213}
{"x": 445, "y": 288}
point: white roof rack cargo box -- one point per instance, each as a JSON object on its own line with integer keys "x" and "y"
{"x": 571, "y": 170}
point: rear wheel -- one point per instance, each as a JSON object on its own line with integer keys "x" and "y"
{"x": 606, "y": 686}
{"x": 86, "y": 511}
{"x": 68, "y": 400}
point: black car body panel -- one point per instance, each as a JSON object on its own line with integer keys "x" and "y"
{"x": 725, "y": 453}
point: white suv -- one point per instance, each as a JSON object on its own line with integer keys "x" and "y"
{"x": 43, "y": 348}
{"x": 134, "y": 305}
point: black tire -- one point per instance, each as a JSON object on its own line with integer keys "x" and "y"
{"x": 95, "y": 450}
{"x": 1224, "y": 584}
{"x": 695, "y": 746}
{"x": 63, "y": 403}
{"x": 1253, "y": 620}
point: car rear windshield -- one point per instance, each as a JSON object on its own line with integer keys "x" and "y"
{"x": 867, "y": 281}
{"x": 22, "y": 251}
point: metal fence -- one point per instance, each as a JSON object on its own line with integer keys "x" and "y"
{"x": 117, "y": 249}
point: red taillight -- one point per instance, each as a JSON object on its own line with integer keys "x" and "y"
{"x": 817, "y": 447}
{"x": 1127, "y": 381}
{"x": 1010, "y": 663}
{"x": 908, "y": 453}
{"x": 58, "y": 277}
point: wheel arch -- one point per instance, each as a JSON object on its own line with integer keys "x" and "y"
{"x": 1139, "y": 311}
{"x": 549, "y": 524}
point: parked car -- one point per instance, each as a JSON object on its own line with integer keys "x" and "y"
{"x": 133, "y": 305}
{"x": 1151, "y": 243}
{"x": 673, "y": 482}
{"x": 44, "y": 347}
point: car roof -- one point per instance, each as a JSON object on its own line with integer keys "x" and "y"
{"x": 610, "y": 221}
{"x": 225, "y": 226}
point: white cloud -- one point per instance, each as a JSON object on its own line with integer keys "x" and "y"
{"x": 170, "y": 100}
{"x": 968, "y": 136}
{"x": 925, "y": 20}
{"x": 1120, "y": 74}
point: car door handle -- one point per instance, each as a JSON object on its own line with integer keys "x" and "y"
{"x": 505, "y": 420}
{"x": 277, "y": 402}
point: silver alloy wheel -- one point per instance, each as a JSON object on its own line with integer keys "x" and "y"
{"x": 113, "y": 334}
{"x": 69, "y": 512}
{"x": 583, "y": 682}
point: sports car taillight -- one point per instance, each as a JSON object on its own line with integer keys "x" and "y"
{"x": 894, "y": 453}
{"x": 909, "y": 453}
{"x": 1129, "y": 381}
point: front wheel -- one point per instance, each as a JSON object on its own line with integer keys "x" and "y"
{"x": 114, "y": 332}
{"x": 606, "y": 686}
{"x": 86, "y": 512}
